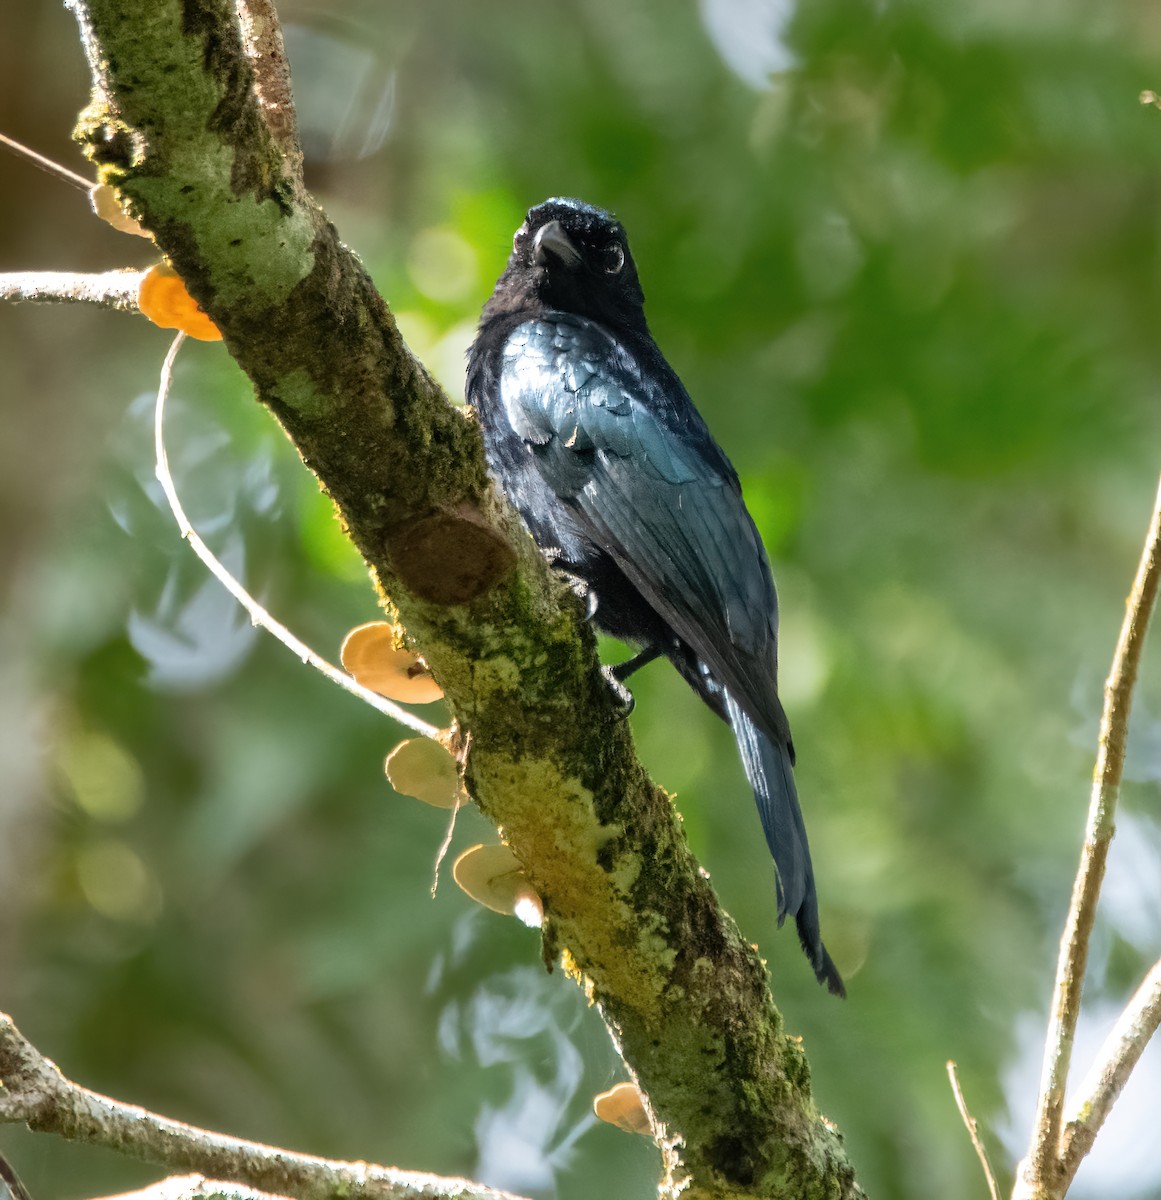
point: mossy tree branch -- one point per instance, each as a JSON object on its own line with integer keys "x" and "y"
{"x": 176, "y": 126}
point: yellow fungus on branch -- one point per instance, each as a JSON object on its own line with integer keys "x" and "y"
{"x": 493, "y": 877}
{"x": 374, "y": 655}
{"x": 422, "y": 768}
{"x": 622, "y": 1106}
{"x": 163, "y": 298}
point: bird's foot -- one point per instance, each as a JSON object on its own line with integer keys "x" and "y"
{"x": 585, "y": 594}
{"x": 622, "y": 697}
{"x": 577, "y": 584}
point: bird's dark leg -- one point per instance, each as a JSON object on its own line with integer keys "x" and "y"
{"x": 622, "y": 671}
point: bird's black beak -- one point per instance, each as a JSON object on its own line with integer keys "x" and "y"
{"x": 551, "y": 240}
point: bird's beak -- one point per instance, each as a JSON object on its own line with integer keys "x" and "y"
{"x": 551, "y": 239}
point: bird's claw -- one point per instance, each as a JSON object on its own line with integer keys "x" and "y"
{"x": 586, "y": 595}
{"x": 622, "y": 697}
{"x": 577, "y": 584}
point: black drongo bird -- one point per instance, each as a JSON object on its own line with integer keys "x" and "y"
{"x": 593, "y": 438}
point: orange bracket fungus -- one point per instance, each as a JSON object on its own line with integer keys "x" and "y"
{"x": 493, "y": 877}
{"x": 422, "y": 768}
{"x": 375, "y": 656}
{"x": 105, "y": 204}
{"x": 162, "y": 297}
{"x": 622, "y": 1106}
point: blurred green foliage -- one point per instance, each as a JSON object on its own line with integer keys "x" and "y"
{"x": 912, "y": 282}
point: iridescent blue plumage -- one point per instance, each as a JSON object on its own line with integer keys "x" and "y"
{"x": 594, "y": 439}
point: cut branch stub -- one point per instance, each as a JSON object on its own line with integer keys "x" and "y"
{"x": 374, "y": 655}
{"x": 450, "y": 557}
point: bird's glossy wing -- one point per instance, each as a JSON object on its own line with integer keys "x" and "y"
{"x": 639, "y": 470}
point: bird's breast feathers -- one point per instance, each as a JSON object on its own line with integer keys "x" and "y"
{"x": 566, "y": 379}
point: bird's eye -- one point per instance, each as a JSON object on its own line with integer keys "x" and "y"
{"x": 614, "y": 256}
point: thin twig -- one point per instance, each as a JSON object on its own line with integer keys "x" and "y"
{"x": 13, "y": 1189}
{"x": 1040, "y": 1173}
{"x": 1111, "y": 1070}
{"x": 441, "y": 853}
{"x": 973, "y": 1130}
{"x": 258, "y": 614}
{"x": 34, "y": 1091}
{"x": 462, "y": 751}
{"x": 111, "y": 289}
{"x": 195, "y": 1187}
{"x": 46, "y": 164}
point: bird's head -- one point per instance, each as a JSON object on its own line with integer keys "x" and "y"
{"x": 575, "y": 258}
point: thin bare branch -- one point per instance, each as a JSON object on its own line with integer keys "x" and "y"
{"x": 35, "y": 1092}
{"x": 1041, "y": 1174}
{"x": 1111, "y": 1070}
{"x": 10, "y": 1186}
{"x": 45, "y": 164}
{"x": 195, "y": 1187}
{"x": 441, "y": 853}
{"x": 111, "y": 289}
{"x": 973, "y": 1130}
{"x": 258, "y": 614}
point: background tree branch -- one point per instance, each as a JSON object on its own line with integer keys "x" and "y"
{"x": 34, "y": 1091}
{"x": 1047, "y": 1172}
{"x": 1110, "y": 1071}
{"x": 111, "y": 289}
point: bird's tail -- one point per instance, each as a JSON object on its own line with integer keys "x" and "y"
{"x": 771, "y": 775}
